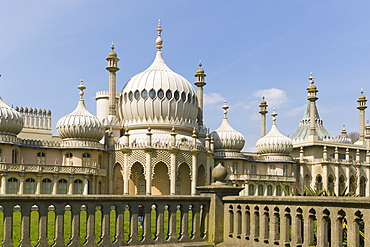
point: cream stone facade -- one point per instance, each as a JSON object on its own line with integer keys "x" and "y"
{"x": 150, "y": 139}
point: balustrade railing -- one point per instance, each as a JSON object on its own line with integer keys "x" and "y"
{"x": 57, "y": 220}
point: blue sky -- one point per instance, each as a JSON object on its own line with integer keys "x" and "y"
{"x": 248, "y": 48}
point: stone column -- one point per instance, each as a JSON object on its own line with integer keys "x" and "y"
{"x": 208, "y": 167}
{"x": 301, "y": 178}
{"x": 336, "y": 185}
{"x": 148, "y": 169}
{"x": 3, "y": 183}
{"x": 85, "y": 190}
{"x": 38, "y": 184}
{"x": 347, "y": 177}
{"x": 125, "y": 174}
{"x": 173, "y": 172}
{"x": 93, "y": 184}
{"x": 70, "y": 185}
{"x": 367, "y": 179}
{"x": 55, "y": 185}
{"x": 21, "y": 184}
{"x": 325, "y": 176}
{"x": 194, "y": 173}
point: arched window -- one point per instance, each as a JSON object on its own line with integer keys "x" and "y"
{"x": 362, "y": 186}
{"x": 86, "y": 158}
{"x": 272, "y": 170}
{"x": 331, "y": 184}
{"x": 278, "y": 190}
{"x": 68, "y": 159}
{"x": 12, "y": 186}
{"x": 77, "y": 187}
{"x": 41, "y": 158}
{"x": 287, "y": 190}
{"x": 99, "y": 161}
{"x": 235, "y": 168}
{"x": 46, "y": 187}
{"x": 285, "y": 170}
{"x": 342, "y": 186}
{"x": 29, "y": 187}
{"x": 260, "y": 190}
{"x": 352, "y": 185}
{"x": 253, "y": 169}
{"x": 251, "y": 190}
{"x": 269, "y": 190}
{"x": 62, "y": 186}
{"x": 14, "y": 156}
{"x": 319, "y": 185}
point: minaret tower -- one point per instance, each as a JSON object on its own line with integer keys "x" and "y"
{"x": 200, "y": 83}
{"x": 112, "y": 122}
{"x": 263, "y": 111}
{"x": 312, "y": 97}
{"x": 361, "y": 107}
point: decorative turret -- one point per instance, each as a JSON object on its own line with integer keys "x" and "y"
{"x": 112, "y": 68}
{"x": 80, "y": 128}
{"x": 200, "y": 83}
{"x": 361, "y": 107}
{"x": 263, "y": 111}
{"x": 225, "y": 137}
{"x": 274, "y": 143}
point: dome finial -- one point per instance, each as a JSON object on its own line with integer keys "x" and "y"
{"x": 112, "y": 47}
{"x": 311, "y": 78}
{"x": 225, "y": 107}
{"x": 200, "y": 64}
{"x": 82, "y": 88}
{"x": 274, "y": 114}
{"x": 159, "y": 40}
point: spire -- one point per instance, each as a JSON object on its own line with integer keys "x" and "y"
{"x": 200, "y": 83}
{"x": 159, "y": 40}
{"x": 82, "y": 88}
{"x": 263, "y": 111}
{"x": 225, "y": 107}
{"x": 344, "y": 130}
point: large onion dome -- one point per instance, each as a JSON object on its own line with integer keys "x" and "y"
{"x": 80, "y": 124}
{"x": 274, "y": 142}
{"x": 11, "y": 122}
{"x": 159, "y": 97}
{"x": 226, "y": 138}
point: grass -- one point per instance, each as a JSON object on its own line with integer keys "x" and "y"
{"x": 67, "y": 225}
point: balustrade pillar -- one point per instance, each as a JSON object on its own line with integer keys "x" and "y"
{"x": 70, "y": 185}
{"x": 38, "y": 184}
{"x": 308, "y": 237}
{"x": 353, "y": 229}
{"x": 325, "y": 176}
{"x": 301, "y": 178}
{"x": 85, "y": 185}
{"x": 336, "y": 186}
{"x": 148, "y": 170}
{"x": 55, "y": 184}
{"x": 125, "y": 174}
{"x": 322, "y": 228}
{"x": 21, "y": 184}
{"x": 208, "y": 168}
{"x": 347, "y": 177}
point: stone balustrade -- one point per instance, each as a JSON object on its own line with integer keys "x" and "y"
{"x": 5, "y": 167}
{"x": 296, "y": 221}
{"x": 105, "y": 220}
{"x": 257, "y": 177}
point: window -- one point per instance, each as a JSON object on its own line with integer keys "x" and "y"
{"x": 253, "y": 169}
{"x": 152, "y": 93}
{"x": 137, "y": 95}
{"x": 352, "y": 185}
{"x": 86, "y": 158}
{"x": 319, "y": 184}
{"x": 269, "y": 190}
{"x": 68, "y": 159}
{"x": 342, "y": 186}
{"x": 260, "y": 190}
{"x": 278, "y": 190}
{"x": 362, "y": 186}
{"x": 41, "y": 158}
{"x": 46, "y": 186}
{"x": 160, "y": 94}
{"x": 15, "y": 156}
{"x": 183, "y": 96}
{"x": 99, "y": 160}
{"x": 285, "y": 170}
{"x": 235, "y": 168}
{"x": 272, "y": 170}
{"x": 12, "y": 186}
{"x": 30, "y": 186}
{"x": 331, "y": 184}
{"x": 251, "y": 190}
{"x": 144, "y": 94}
{"x": 77, "y": 187}
{"x": 176, "y": 95}
{"x": 1, "y": 155}
{"x": 62, "y": 186}
{"x": 287, "y": 190}
{"x": 169, "y": 94}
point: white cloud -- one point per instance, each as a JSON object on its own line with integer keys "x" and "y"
{"x": 274, "y": 97}
{"x": 295, "y": 111}
{"x": 212, "y": 98}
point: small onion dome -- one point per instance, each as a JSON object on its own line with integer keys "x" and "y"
{"x": 225, "y": 137}
{"x": 112, "y": 53}
{"x": 11, "y": 122}
{"x": 80, "y": 124}
{"x": 274, "y": 142}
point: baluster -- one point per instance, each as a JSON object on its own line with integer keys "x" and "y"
{"x": 353, "y": 229}
{"x": 147, "y": 235}
{"x": 105, "y": 238}
{"x": 90, "y": 225}
{"x": 265, "y": 224}
{"x": 59, "y": 226}
{"x": 284, "y": 226}
{"x": 274, "y": 226}
{"x": 25, "y": 235}
{"x": 43, "y": 229}
{"x": 237, "y": 223}
{"x": 172, "y": 226}
{"x": 246, "y": 223}
{"x": 184, "y": 225}
{"x": 322, "y": 227}
{"x": 8, "y": 223}
{"x": 119, "y": 224}
{"x": 160, "y": 223}
{"x": 75, "y": 235}
{"x": 336, "y": 230}
{"x": 134, "y": 224}
{"x": 196, "y": 223}
{"x": 309, "y": 217}
{"x": 366, "y": 218}
{"x": 296, "y": 226}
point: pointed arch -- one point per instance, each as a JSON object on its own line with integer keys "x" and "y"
{"x": 183, "y": 184}
{"x": 201, "y": 177}
{"x": 161, "y": 181}
{"x": 137, "y": 183}
{"x": 117, "y": 179}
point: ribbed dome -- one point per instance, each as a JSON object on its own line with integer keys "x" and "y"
{"x": 274, "y": 142}
{"x": 80, "y": 124}
{"x": 159, "y": 97}
{"x": 225, "y": 137}
{"x": 11, "y": 122}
